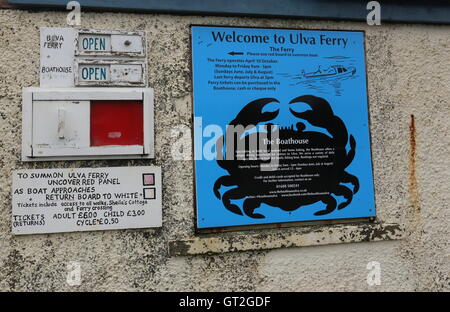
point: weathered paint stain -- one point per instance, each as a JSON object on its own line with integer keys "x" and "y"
{"x": 413, "y": 184}
{"x": 315, "y": 236}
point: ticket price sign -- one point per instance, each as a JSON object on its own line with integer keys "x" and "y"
{"x": 281, "y": 126}
{"x": 85, "y": 199}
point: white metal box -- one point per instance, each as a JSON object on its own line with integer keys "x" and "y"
{"x": 87, "y": 123}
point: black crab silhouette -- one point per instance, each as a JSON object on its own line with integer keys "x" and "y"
{"x": 242, "y": 172}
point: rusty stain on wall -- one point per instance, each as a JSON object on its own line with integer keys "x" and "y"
{"x": 413, "y": 184}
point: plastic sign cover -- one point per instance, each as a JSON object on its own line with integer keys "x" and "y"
{"x": 280, "y": 126}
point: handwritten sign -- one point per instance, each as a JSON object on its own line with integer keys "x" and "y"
{"x": 85, "y": 199}
{"x": 57, "y": 53}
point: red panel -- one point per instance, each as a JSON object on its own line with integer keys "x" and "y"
{"x": 117, "y": 123}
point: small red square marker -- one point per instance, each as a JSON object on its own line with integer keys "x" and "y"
{"x": 117, "y": 123}
{"x": 148, "y": 179}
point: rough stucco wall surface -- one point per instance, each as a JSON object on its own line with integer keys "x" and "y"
{"x": 408, "y": 74}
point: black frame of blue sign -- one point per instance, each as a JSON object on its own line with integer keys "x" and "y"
{"x": 218, "y": 229}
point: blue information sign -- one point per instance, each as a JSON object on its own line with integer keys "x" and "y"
{"x": 280, "y": 126}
